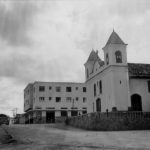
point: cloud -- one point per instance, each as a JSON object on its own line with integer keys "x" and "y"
{"x": 11, "y": 97}
{"x": 16, "y": 19}
{"x": 51, "y": 40}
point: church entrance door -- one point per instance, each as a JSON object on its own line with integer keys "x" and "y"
{"x": 136, "y": 102}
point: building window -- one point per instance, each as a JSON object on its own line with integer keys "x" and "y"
{"x": 94, "y": 89}
{"x": 50, "y": 98}
{"x": 58, "y": 99}
{"x": 41, "y": 88}
{"x": 84, "y": 112}
{"x": 84, "y": 100}
{"x": 100, "y": 86}
{"x": 50, "y": 87}
{"x": 118, "y": 57}
{"x": 148, "y": 86}
{"x": 68, "y": 99}
{"x": 41, "y": 99}
{"x": 77, "y": 98}
{"x": 107, "y": 59}
{"x": 64, "y": 113}
{"x": 76, "y": 88}
{"x": 84, "y": 89}
{"x": 37, "y": 107}
{"x": 74, "y": 113}
{"x": 58, "y": 89}
{"x": 68, "y": 89}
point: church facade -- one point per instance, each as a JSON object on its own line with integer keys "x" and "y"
{"x": 111, "y": 84}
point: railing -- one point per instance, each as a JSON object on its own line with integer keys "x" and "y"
{"x": 117, "y": 114}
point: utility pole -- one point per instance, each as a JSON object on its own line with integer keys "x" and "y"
{"x": 15, "y": 111}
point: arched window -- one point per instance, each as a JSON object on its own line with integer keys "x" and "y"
{"x": 118, "y": 57}
{"x": 107, "y": 59}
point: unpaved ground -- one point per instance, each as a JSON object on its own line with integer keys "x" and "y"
{"x": 60, "y": 137}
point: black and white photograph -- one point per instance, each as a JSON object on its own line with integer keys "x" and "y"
{"x": 74, "y": 74}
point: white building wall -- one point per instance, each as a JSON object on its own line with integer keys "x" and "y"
{"x": 107, "y": 96}
{"x": 140, "y": 86}
{"x": 28, "y": 97}
{"x": 48, "y": 104}
{"x": 121, "y": 87}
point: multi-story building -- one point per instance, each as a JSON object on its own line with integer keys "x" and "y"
{"x": 111, "y": 85}
{"x": 55, "y": 99}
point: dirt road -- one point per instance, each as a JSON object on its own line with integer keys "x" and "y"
{"x": 60, "y": 137}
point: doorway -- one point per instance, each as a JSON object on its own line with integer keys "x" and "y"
{"x": 98, "y": 105}
{"x": 74, "y": 113}
{"x": 136, "y": 102}
{"x": 50, "y": 117}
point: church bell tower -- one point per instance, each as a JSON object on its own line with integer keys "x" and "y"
{"x": 115, "y": 57}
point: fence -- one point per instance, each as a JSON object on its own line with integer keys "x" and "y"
{"x": 112, "y": 121}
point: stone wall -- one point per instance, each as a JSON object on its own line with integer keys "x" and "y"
{"x": 112, "y": 121}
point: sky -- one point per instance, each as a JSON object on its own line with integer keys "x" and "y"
{"x": 50, "y": 40}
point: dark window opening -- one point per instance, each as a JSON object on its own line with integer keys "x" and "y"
{"x": 148, "y": 86}
{"x": 84, "y": 89}
{"x": 107, "y": 59}
{"x": 58, "y": 99}
{"x": 41, "y": 99}
{"x": 74, "y": 113}
{"x": 118, "y": 57}
{"x": 100, "y": 86}
{"x": 94, "y": 89}
{"x": 64, "y": 114}
{"x": 68, "y": 89}
{"x": 58, "y": 89}
{"x": 84, "y": 108}
{"x": 84, "y": 100}
{"x": 98, "y": 105}
{"x": 41, "y": 88}
{"x": 84, "y": 112}
{"x": 63, "y": 107}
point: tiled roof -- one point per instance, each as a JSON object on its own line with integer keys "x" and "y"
{"x": 114, "y": 39}
{"x": 94, "y": 56}
{"x": 139, "y": 70}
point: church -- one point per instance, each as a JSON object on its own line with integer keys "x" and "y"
{"x": 114, "y": 84}
{"x": 111, "y": 84}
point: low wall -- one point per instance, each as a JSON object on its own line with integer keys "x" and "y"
{"x": 112, "y": 121}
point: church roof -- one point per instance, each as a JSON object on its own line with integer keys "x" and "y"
{"x": 93, "y": 56}
{"x": 139, "y": 70}
{"x": 114, "y": 39}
